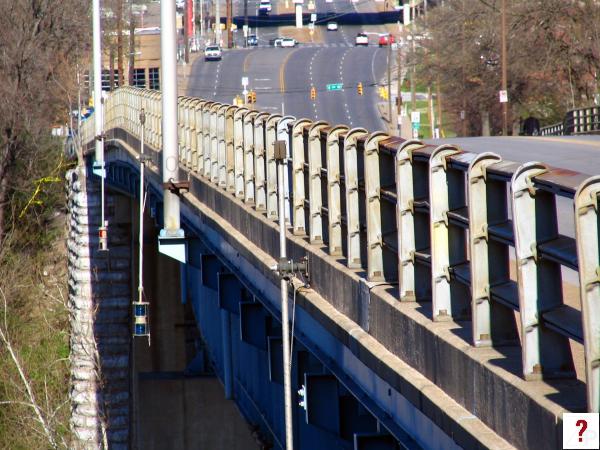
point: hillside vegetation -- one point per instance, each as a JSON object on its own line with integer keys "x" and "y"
{"x": 41, "y": 44}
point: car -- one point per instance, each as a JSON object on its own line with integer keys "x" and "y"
{"x": 385, "y": 39}
{"x": 288, "y": 42}
{"x": 275, "y": 42}
{"x": 212, "y": 53}
{"x": 332, "y": 26}
{"x": 264, "y": 7}
{"x": 361, "y": 39}
{"x": 252, "y": 40}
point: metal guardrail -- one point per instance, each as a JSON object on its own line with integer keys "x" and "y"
{"x": 577, "y": 121}
{"x": 439, "y": 221}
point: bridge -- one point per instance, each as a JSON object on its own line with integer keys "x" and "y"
{"x": 444, "y": 306}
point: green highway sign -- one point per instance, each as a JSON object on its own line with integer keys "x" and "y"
{"x": 335, "y": 86}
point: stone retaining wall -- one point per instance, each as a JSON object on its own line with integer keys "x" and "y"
{"x": 99, "y": 300}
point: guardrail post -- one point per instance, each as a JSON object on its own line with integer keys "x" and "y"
{"x": 284, "y": 134}
{"x": 413, "y": 282}
{"x": 259, "y": 161}
{"x": 492, "y": 323}
{"x": 229, "y": 149}
{"x": 540, "y": 282}
{"x": 221, "y": 148}
{"x": 213, "y": 173}
{"x": 271, "y": 165}
{"x": 238, "y": 143}
{"x": 334, "y": 191}
{"x": 352, "y": 196}
{"x": 315, "y": 200}
{"x": 206, "y": 138}
{"x": 189, "y": 131}
{"x": 375, "y": 269}
{"x": 446, "y": 249}
{"x": 198, "y": 156}
{"x": 180, "y": 128}
{"x": 298, "y": 193}
{"x": 249, "y": 156}
{"x": 587, "y": 233}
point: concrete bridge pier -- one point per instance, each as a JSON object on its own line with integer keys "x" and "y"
{"x": 124, "y": 393}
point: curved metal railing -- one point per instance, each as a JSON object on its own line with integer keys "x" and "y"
{"x": 441, "y": 222}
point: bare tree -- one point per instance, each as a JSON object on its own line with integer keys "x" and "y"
{"x": 553, "y": 57}
{"x": 39, "y": 41}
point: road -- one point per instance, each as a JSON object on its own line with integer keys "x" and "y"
{"x": 282, "y": 78}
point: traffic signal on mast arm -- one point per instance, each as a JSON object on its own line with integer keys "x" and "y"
{"x": 359, "y": 88}
{"x": 313, "y": 93}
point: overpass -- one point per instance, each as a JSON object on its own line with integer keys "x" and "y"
{"x": 435, "y": 314}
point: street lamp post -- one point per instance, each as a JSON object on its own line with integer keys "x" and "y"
{"x": 504, "y": 69}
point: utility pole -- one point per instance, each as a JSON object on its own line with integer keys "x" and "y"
{"x": 389, "y": 77}
{"x": 247, "y": 30}
{"x": 120, "y": 43}
{"x": 228, "y": 24}
{"x": 413, "y": 87}
{"x": 186, "y": 31}
{"x": 218, "y": 22}
{"x": 399, "y": 99}
{"x": 504, "y": 69}
{"x": 131, "y": 45}
{"x": 201, "y": 19}
{"x": 439, "y": 104}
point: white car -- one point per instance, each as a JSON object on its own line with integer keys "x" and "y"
{"x": 332, "y": 26}
{"x": 288, "y": 42}
{"x": 264, "y": 6}
{"x": 361, "y": 39}
{"x": 212, "y": 53}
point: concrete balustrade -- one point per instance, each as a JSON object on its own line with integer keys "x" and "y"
{"x": 439, "y": 221}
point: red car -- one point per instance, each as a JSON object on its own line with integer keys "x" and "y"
{"x": 386, "y": 39}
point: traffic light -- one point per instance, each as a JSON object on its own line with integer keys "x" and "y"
{"x": 313, "y": 93}
{"x": 251, "y": 98}
{"x": 383, "y": 93}
{"x": 360, "y": 88}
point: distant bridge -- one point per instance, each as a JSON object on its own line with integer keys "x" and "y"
{"x": 436, "y": 315}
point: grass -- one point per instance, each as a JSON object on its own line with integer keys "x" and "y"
{"x": 35, "y": 317}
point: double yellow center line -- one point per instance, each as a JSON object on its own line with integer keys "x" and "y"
{"x": 282, "y": 70}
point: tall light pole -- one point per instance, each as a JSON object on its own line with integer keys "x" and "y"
{"x": 504, "y": 69}
{"x": 170, "y": 159}
{"x": 97, "y": 82}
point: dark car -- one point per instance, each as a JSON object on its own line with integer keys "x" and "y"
{"x": 252, "y": 40}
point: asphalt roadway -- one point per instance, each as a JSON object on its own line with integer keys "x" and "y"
{"x": 282, "y": 78}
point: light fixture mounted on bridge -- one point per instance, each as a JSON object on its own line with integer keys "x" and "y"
{"x": 288, "y": 268}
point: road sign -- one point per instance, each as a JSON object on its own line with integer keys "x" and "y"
{"x": 503, "y": 96}
{"x": 244, "y": 81}
{"x": 415, "y": 117}
{"x": 313, "y": 17}
{"x": 335, "y": 86}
